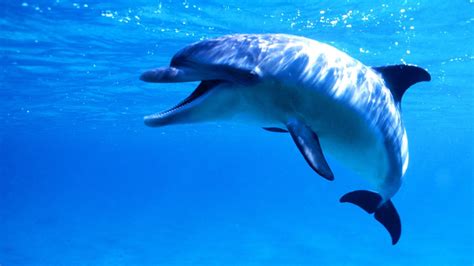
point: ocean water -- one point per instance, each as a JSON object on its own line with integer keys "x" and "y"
{"x": 84, "y": 182}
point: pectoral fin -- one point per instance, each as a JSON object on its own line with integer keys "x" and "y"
{"x": 275, "y": 129}
{"x": 308, "y": 143}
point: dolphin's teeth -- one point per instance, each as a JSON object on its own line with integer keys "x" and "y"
{"x": 203, "y": 87}
{"x": 171, "y": 110}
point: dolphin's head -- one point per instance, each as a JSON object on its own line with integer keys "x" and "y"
{"x": 211, "y": 100}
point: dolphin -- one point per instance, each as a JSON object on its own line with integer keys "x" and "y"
{"x": 326, "y": 100}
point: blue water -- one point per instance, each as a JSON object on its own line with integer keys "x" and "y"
{"x": 84, "y": 182}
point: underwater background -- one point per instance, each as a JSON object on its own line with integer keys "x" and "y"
{"x": 84, "y": 182}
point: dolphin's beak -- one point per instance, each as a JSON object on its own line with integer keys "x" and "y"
{"x": 171, "y": 75}
{"x": 183, "y": 112}
{"x": 162, "y": 75}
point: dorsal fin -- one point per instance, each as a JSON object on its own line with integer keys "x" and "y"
{"x": 398, "y": 78}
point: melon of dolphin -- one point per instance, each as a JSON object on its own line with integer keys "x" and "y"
{"x": 326, "y": 100}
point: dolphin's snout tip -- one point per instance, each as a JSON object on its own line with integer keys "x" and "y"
{"x": 148, "y": 120}
{"x": 148, "y": 76}
{"x": 154, "y": 120}
{"x": 161, "y": 75}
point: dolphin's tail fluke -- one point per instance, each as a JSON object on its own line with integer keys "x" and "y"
{"x": 385, "y": 213}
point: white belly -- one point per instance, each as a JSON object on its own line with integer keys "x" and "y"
{"x": 348, "y": 137}
{"x": 343, "y": 132}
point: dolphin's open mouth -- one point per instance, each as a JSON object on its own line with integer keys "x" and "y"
{"x": 162, "y": 118}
